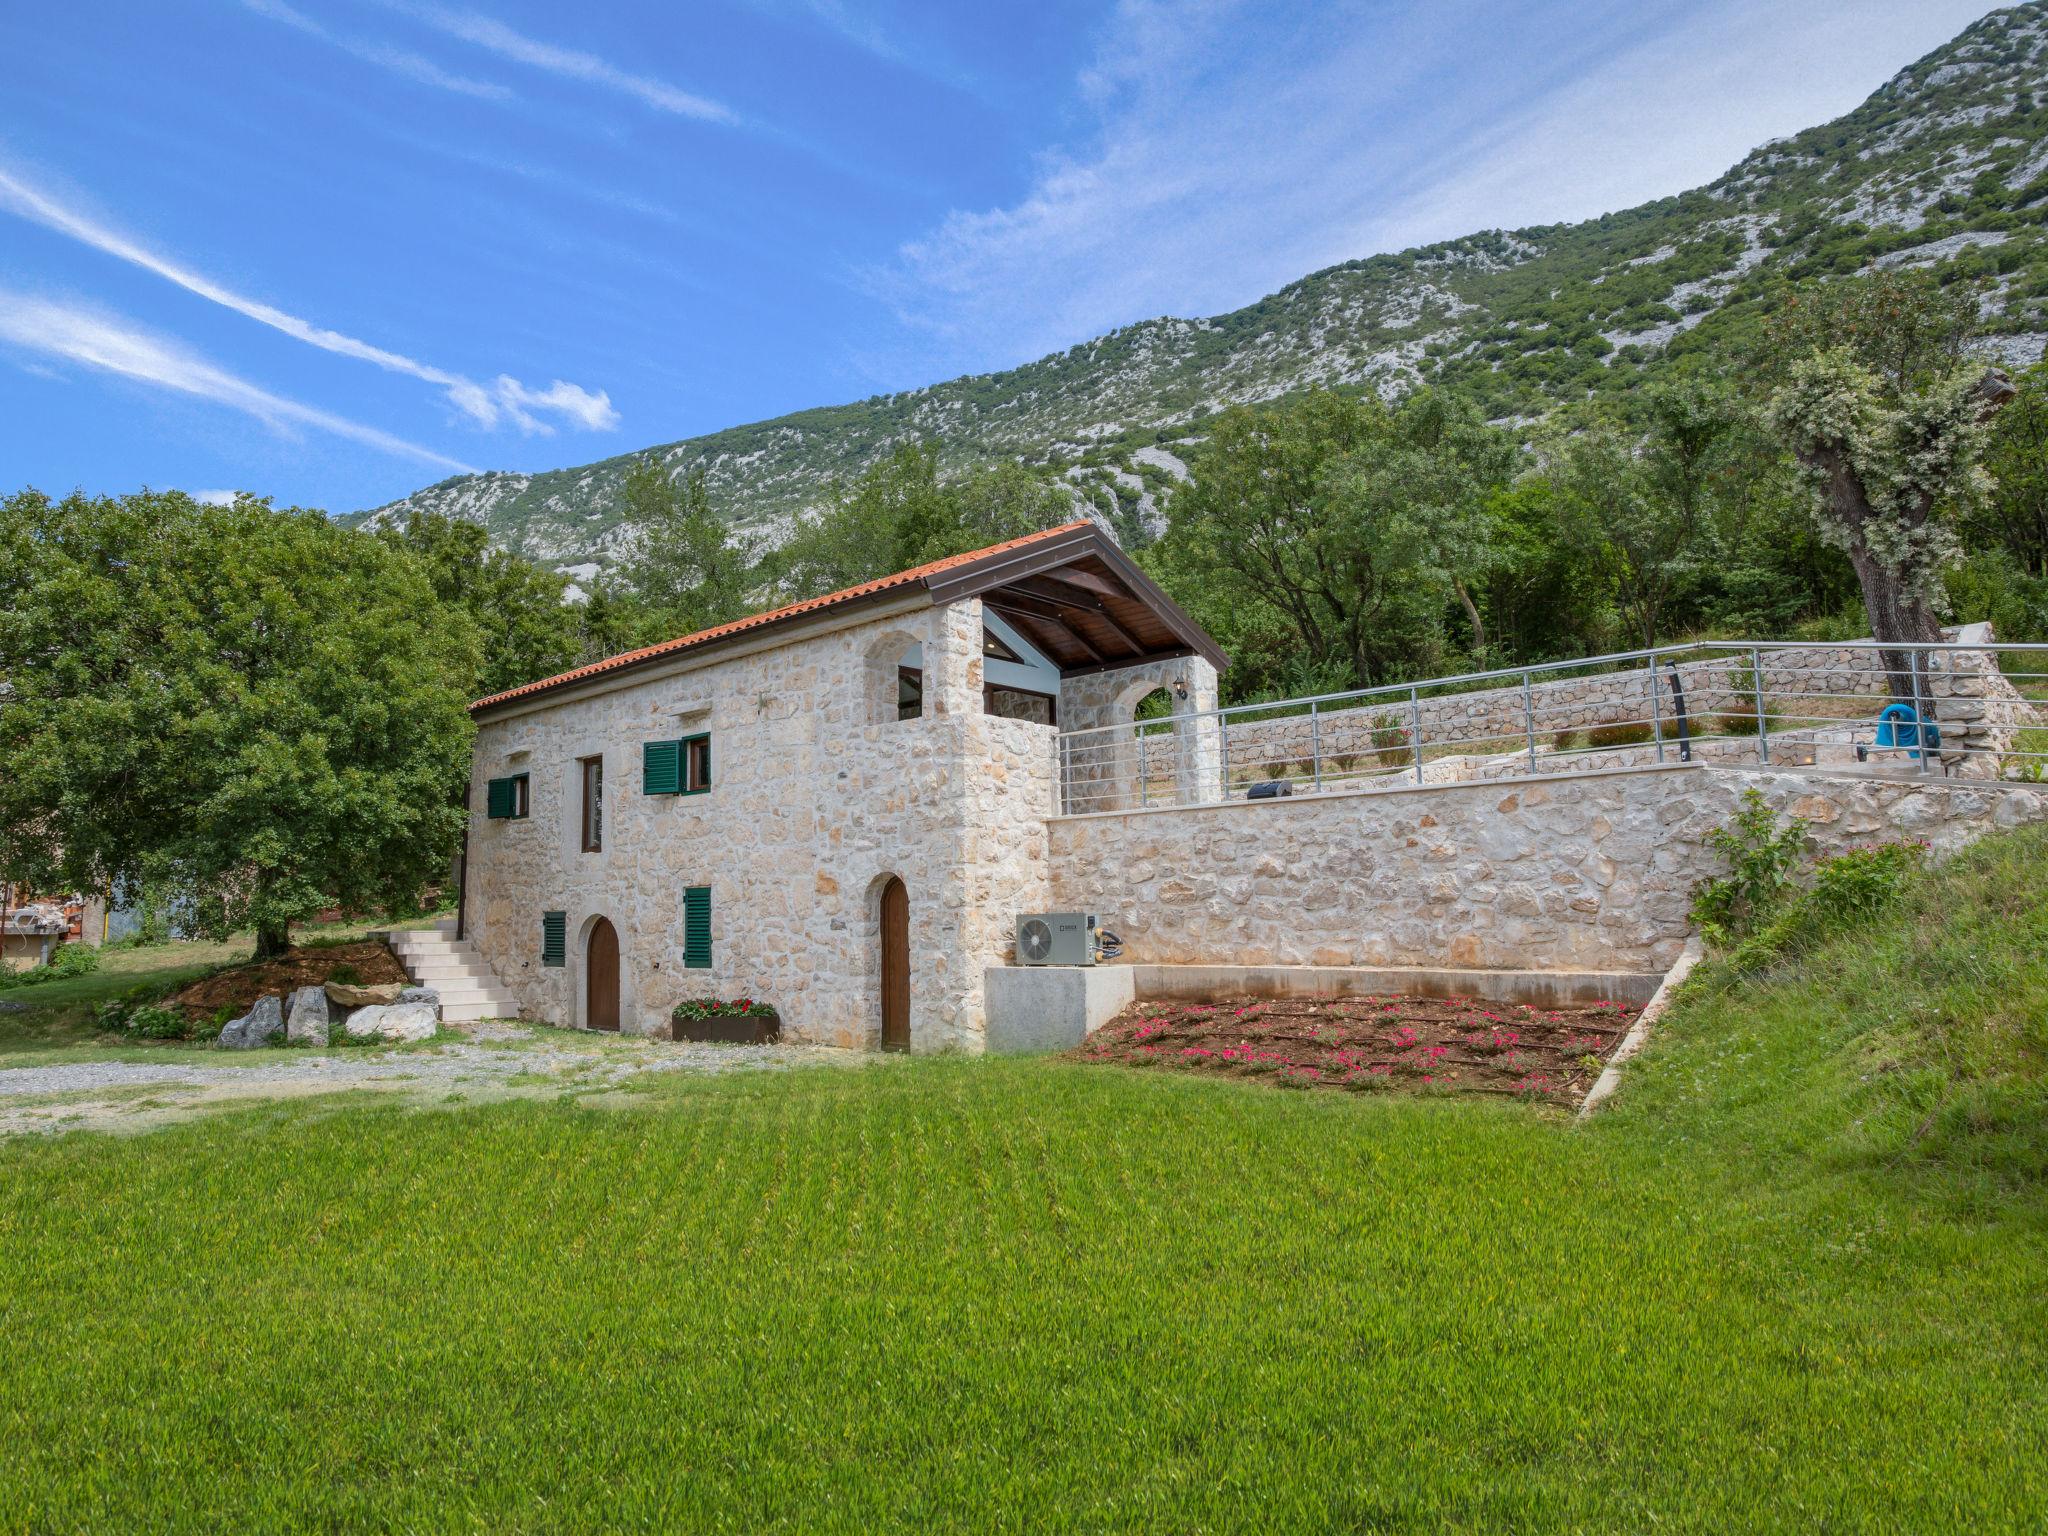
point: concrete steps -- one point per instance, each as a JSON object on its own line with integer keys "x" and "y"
{"x": 434, "y": 957}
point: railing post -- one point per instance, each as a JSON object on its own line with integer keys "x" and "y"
{"x": 1529, "y": 718}
{"x": 1415, "y": 729}
{"x": 1919, "y": 709}
{"x": 1315, "y": 746}
{"x": 1223, "y": 750}
{"x": 1763, "y": 726}
{"x": 1144, "y": 772}
{"x": 1656, "y": 711}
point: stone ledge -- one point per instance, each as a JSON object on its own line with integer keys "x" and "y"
{"x": 1540, "y": 989}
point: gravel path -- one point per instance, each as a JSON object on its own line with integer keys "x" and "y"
{"x": 474, "y": 1067}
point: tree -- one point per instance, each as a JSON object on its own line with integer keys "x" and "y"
{"x": 527, "y": 626}
{"x": 1636, "y": 501}
{"x": 1886, "y": 412}
{"x": 687, "y": 571}
{"x": 256, "y": 708}
{"x": 2015, "y": 515}
{"x": 1353, "y": 525}
{"x": 900, "y": 512}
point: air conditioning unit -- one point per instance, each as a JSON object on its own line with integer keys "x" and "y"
{"x": 1056, "y": 938}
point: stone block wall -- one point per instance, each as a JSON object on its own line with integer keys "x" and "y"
{"x": 818, "y": 795}
{"x": 1591, "y": 872}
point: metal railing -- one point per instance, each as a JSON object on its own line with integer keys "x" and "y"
{"x": 1968, "y": 709}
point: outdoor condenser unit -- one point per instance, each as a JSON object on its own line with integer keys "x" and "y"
{"x": 1056, "y": 938}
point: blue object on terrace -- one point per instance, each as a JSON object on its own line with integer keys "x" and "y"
{"x": 1899, "y": 728}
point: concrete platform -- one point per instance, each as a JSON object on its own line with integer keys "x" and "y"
{"x": 1029, "y": 1008}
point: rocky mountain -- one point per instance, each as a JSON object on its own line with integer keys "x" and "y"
{"x": 1945, "y": 166}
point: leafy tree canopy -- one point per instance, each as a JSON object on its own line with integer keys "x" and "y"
{"x": 254, "y": 707}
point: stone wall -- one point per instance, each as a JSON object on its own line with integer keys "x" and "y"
{"x": 818, "y": 795}
{"x": 1591, "y": 872}
{"x": 1369, "y": 740}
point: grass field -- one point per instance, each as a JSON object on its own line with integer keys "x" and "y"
{"x": 1794, "y": 1280}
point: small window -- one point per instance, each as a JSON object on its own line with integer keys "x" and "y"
{"x": 697, "y": 927}
{"x": 593, "y": 803}
{"x": 505, "y": 799}
{"x": 696, "y": 764}
{"x": 554, "y": 938}
{"x": 909, "y": 692}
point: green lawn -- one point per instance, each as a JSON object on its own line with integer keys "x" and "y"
{"x": 1794, "y": 1280}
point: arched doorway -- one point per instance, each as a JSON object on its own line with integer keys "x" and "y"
{"x": 601, "y": 976}
{"x": 895, "y": 966}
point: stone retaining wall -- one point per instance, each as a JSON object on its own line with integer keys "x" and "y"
{"x": 1978, "y": 709}
{"x": 1587, "y": 872}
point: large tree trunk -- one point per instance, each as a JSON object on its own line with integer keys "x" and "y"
{"x": 272, "y": 940}
{"x": 1898, "y": 617}
{"x": 1472, "y": 617}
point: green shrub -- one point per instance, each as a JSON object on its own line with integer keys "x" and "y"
{"x": 1761, "y": 856}
{"x": 1862, "y": 882}
{"x": 155, "y": 1022}
{"x": 346, "y": 975}
{"x": 1564, "y": 741}
{"x": 1390, "y": 742}
{"x": 69, "y": 961}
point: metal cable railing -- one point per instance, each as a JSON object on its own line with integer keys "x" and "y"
{"x": 1957, "y": 709}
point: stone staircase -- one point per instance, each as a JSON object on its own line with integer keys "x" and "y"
{"x": 434, "y": 957}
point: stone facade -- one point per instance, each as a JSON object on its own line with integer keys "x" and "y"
{"x": 819, "y": 793}
{"x": 1590, "y": 872}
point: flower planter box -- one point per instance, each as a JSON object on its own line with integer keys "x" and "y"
{"x": 745, "y": 1023}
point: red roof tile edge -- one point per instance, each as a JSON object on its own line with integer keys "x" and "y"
{"x": 718, "y": 632}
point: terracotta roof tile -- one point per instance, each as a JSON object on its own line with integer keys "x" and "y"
{"x": 703, "y": 637}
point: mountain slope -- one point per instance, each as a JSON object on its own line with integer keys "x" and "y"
{"x": 1946, "y": 165}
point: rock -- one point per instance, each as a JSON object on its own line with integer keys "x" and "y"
{"x": 396, "y": 1021}
{"x": 255, "y": 1027}
{"x": 305, "y": 1017}
{"x": 344, "y": 996}
{"x": 426, "y": 997}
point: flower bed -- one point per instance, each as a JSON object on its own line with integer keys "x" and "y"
{"x": 1456, "y": 1044}
{"x": 741, "y": 1021}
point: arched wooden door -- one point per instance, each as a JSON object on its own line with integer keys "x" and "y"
{"x": 895, "y": 966}
{"x": 601, "y": 977}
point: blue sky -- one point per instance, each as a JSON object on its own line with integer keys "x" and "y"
{"x": 334, "y": 250}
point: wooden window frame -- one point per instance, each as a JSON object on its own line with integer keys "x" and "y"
{"x": 692, "y": 747}
{"x": 589, "y": 813}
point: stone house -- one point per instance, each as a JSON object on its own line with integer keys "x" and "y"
{"x": 836, "y": 807}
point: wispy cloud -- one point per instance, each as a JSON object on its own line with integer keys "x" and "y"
{"x": 504, "y": 399}
{"x": 214, "y": 498}
{"x": 399, "y": 61}
{"x": 861, "y": 28}
{"x": 112, "y": 344}
{"x": 1230, "y": 148}
{"x": 493, "y": 36}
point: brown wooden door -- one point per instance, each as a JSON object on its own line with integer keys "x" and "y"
{"x": 601, "y": 962}
{"x": 895, "y": 966}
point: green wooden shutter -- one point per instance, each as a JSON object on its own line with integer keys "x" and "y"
{"x": 498, "y": 800}
{"x": 697, "y": 927}
{"x": 554, "y": 938}
{"x": 661, "y": 767}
